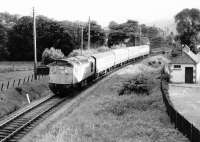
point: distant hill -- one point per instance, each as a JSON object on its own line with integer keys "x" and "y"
{"x": 167, "y": 25}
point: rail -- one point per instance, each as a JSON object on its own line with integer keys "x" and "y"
{"x": 15, "y": 128}
{"x": 180, "y": 122}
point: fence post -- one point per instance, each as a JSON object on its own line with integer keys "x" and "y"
{"x": 24, "y": 80}
{"x": 175, "y": 119}
{"x": 28, "y": 98}
{"x": 8, "y": 85}
{"x": 28, "y": 79}
{"x": 14, "y": 83}
{"x": 19, "y": 82}
{"x": 191, "y": 126}
{"x": 2, "y": 87}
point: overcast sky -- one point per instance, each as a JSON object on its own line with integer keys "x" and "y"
{"x": 102, "y": 11}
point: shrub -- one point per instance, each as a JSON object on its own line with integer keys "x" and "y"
{"x": 165, "y": 77}
{"x": 140, "y": 85}
{"x": 49, "y": 55}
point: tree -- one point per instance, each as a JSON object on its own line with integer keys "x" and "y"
{"x": 155, "y": 36}
{"x": 3, "y": 43}
{"x": 74, "y": 29}
{"x": 20, "y": 38}
{"x": 121, "y": 32}
{"x": 49, "y": 55}
{"x": 49, "y": 34}
{"x": 116, "y": 37}
{"x": 8, "y": 20}
{"x": 97, "y": 34}
{"x": 188, "y": 26}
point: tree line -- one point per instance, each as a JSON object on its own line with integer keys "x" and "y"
{"x": 16, "y": 35}
{"x": 188, "y": 28}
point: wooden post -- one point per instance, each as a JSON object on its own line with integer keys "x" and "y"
{"x": 82, "y": 40}
{"x": 1, "y": 86}
{"x": 28, "y": 98}
{"x": 89, "y": 33}
{"x": 8, "y": 85}
{"x": 24, "y": 80}
{"x": 140, "y": 33}
{"x": 28, "y": 79}
{"x": 34, "y": 43}
{"x": 19, "y": 82}
{"x": 14, "y": 83}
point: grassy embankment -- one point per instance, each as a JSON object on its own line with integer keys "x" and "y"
{"x": 15, "y": 98}
{"x": 119, "y": 111}
{"x": 7, "y": 66}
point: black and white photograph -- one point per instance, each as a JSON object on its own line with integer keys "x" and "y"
{"x": 100, "y": 71}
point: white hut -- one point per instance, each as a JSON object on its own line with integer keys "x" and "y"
{"x": 185, "y": 68}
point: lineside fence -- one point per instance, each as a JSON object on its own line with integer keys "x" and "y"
{"x": 181, "y": 123}
{"x": 5, "y": 85}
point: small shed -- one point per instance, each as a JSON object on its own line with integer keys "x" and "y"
{"x": 185, "y": 68}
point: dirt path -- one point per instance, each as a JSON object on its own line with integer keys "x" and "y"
{"x": 100, "y": 114}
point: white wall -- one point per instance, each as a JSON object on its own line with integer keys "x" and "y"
{"x": 178, "y": 75}
{"x": 198, "y": 73}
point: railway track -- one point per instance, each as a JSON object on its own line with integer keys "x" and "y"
{"x": 18, "y": 126}
{"x": 15, "y": 128}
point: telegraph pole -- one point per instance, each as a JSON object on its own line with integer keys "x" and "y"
{"x": 140, "y": 33}
{"x": 34, "y": 43}
{"x": 89, "y": 33}
{"x": 81, "y": 40}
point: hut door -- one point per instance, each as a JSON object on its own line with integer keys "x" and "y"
{"x": 189, "y": 75}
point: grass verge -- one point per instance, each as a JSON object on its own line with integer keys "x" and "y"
{"x": 106, "y": 116}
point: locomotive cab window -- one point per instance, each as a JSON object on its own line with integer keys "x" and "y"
{"x": 177, "y": 66}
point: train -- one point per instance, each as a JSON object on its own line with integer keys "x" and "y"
{"x": 78, "y": 71}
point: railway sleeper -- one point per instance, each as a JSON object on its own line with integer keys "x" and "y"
{"x": 12, "y": 140}
{"x": 3, "y": 135}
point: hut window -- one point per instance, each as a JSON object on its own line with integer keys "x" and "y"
{"x": 177, "y": 66}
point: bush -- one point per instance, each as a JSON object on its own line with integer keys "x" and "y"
{"x": 165, "y": 77}
{"x": 140, "y": 85}
{"x": 49, "y": 55}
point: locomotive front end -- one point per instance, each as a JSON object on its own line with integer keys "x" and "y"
{"x": 60, "y": 75}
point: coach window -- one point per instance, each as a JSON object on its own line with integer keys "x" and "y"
{"x": 92, "y": 67}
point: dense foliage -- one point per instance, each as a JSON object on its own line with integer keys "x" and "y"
{"x": 3, "y": 42}
{"x": 16, "y": 35}
{"x": 188, "y": 27}
{"x": 140, "y": 85}
{"x": 50, "y": 55}
{"x": 49, "y": 33}
{"x": 132, "y": 33}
